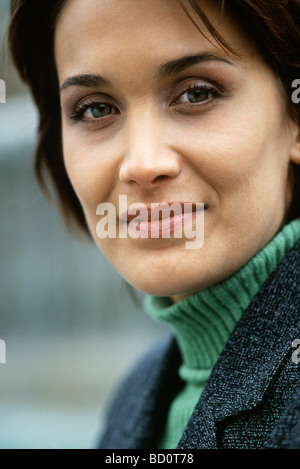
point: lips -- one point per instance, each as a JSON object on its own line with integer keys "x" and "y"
{"x": 160, "y": 220}
{"x": 156, "y": 211}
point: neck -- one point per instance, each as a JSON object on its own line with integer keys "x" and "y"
{"x": 203, "y": 322}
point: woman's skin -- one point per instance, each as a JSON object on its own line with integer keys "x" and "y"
{"x": 209, "y": 129}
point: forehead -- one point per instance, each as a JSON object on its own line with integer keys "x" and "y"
{"x": 114, "y": 32}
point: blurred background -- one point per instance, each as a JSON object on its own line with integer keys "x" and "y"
{"x": 70, "y": 325}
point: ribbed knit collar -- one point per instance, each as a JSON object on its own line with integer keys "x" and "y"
{"x": 203, "y": 322}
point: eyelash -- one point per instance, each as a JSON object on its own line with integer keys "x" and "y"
{"x": 202, "y": 88}
{"x": 78, "y": 113}
{"x": 83, "y": 107}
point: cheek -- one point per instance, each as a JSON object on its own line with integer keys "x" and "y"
{"x": 235, "y": 152}
{"x": 91, "y": 174}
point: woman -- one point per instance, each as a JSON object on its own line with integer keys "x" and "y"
{"x": 148, "y": 104}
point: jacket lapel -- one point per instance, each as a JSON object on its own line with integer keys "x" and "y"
{"x": 251, "y": 357}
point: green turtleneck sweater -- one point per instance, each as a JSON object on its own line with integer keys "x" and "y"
{"x": 203, "y": 322}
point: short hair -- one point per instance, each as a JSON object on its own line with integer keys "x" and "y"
{"x": 273, "y": 26}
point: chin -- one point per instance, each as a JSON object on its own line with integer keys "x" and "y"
{"x": 166, "y": 287}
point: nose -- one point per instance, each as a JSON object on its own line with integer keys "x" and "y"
{"x": 147, "y": 158}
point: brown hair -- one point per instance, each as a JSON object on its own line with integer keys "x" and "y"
{"x": 272, "y": 25}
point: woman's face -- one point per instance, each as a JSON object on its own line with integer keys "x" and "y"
{"x": 154, "y": 111}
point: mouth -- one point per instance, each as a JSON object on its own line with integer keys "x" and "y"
{"x": 160, "y": 220}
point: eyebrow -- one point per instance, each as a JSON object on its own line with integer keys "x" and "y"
{"x": 173, "y": 67}
{"x": 85, "y": 81}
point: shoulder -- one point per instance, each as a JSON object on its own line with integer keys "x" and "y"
{"x": 147, "y": 368}
{"x": 132, "y": 412}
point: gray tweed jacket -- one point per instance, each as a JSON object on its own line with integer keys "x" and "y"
{"x": 252, "y": 397}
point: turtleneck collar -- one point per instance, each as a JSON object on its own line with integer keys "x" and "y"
{"x": 203, "y": 322}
